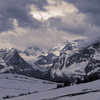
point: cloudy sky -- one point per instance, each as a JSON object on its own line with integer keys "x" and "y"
{"x": 45, "y": 23}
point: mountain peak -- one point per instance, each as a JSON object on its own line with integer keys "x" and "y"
{"x": 33, "y": 50}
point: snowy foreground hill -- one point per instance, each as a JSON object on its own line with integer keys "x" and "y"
{"x": 15, "y": 85}
{"x": 25, "y": 88}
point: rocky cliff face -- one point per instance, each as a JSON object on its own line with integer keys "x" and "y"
{"x": 67, "y": 61}
{"x": 74, "y": 62}
{"x": 11, "y": 62}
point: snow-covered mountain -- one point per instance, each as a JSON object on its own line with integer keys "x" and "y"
{"x": 47, "y": 59}
{"x": 75, "y": 62}
{"x": 66, "y": 61}
{"x": 12, "y": 62}
{"x": 31, "y": 53}
{"x": 57, "y": 49}
{"x": 33, "y": 50}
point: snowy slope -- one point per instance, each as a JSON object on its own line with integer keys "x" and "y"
{"x": 57, "y": 49}
{"x": 47, "y": 59}
{"x": 75, "y": 62}
{"x": 33, "y": 50}
{"x": 87, "y": 91}
{"x": 31, "y": 53}
{"x": 12, "y": 62}
{"x": 15, "y": 85}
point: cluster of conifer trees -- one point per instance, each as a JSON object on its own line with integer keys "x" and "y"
{"x": 79, "y": 81}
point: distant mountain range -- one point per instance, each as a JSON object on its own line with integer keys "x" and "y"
{"x": 66, "y": 61}
{"x": 75, "y": 62}
{"x": 12, "y": 62}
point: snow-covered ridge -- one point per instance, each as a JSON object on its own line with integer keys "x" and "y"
{"x": 71, "y": 63}
{"x": 74, "y": 62}
{"x": 47, "y": 59}
{"x": 12, "y": 62}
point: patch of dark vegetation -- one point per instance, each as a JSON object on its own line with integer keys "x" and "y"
{"x": 8, "y": 96}
{"x": 85, "y": 79}
{"x": 48, "y": 83}
{"x": 66, "y": 83}
{"x": 22, "y": 94}
{"x": 59, "y": 85}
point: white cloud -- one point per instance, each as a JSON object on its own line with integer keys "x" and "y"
{"x": 58, "y": 21}
{"x": 45, "y": 38}
{"x": 54, "y": 9}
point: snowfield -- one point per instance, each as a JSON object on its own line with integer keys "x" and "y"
{"x": 14, "y": 85}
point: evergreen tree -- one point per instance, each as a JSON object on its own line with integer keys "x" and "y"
{"x": 59, "y": 85}
{"x": 67, "y": 83}
{"x": 78, "y": 81}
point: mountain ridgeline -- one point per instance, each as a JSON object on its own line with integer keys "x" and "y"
{"x": 65, "y": 62}
{"x": 76, "y": 63}
{"x": 11, "y": 62}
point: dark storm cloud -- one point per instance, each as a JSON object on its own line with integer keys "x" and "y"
{"x": 89, "y": 7}
{"x": 91, "y": 10}
{"x": 19, "y": 10}
{"x": 70, "y": 27}
{"x": 84, "y": 22}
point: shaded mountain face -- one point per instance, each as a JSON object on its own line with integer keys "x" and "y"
{"x": 33, "y": 50}
{"x": 47, "y": 59}
{"x": 74, "y": 62}
{"x": 66, "y": 61}
{"x": 11, "y": 62}
{"x": 31, "y": 53}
